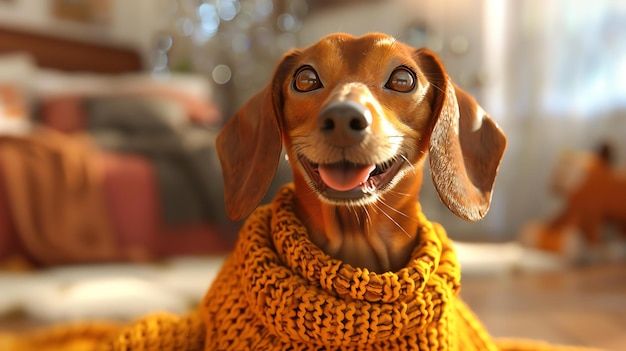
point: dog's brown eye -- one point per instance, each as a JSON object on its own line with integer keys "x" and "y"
{"x": 401, "y": 80}
{"x": 306, "y": 79}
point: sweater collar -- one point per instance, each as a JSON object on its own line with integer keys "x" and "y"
{"x": 301, "y": 293}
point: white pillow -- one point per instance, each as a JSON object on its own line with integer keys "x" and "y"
{"x": 17, "y": 69}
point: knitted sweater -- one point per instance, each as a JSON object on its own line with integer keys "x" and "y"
{"x": 278, "y": 291}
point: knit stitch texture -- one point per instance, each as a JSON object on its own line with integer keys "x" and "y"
{"x": 278, "y": 291}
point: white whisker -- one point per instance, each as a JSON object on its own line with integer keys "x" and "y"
{"x": 393, "y": 191}
{"x": 437, "y": 87}
{"x": 399, "y": 212}
{"x": 393, "y": 220}
{"x": 409, "y": 164}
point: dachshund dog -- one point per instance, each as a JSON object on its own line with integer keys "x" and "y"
{"x": 357, "y": 117}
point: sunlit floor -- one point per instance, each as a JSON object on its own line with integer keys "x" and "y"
{"x": 584, "y": 306}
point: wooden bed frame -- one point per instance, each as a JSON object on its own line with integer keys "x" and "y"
{"x": 69, "y": 54}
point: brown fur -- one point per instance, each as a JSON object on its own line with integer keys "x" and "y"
{"x": 377, "y": 231}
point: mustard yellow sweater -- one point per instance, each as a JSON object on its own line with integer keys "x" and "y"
{"x": 278, "y": 291}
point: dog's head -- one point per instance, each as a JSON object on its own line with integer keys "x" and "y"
{"x": 357, "y": 117}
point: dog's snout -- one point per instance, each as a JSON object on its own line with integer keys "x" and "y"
{"x": 345, "y": 123}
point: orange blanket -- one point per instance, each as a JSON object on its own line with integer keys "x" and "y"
{"x": 54, "y": 190}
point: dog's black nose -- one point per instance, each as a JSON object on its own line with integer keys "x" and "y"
{"x": 344, "y": 123}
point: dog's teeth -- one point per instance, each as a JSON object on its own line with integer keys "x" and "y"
{"x": 368, "y": 187}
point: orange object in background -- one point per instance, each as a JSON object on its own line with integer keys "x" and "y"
{"x": 594, "y": 192}
{"x": 12, "y": 104}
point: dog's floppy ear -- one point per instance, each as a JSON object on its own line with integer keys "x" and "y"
{"x": 249, "y": 146}
{"x": 466, "y": 145}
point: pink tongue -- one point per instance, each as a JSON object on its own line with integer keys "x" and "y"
{"x": 344, "y": 177}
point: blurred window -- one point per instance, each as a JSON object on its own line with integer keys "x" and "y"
{"x": 585, "y": 56}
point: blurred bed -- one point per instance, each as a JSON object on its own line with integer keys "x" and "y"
{"x": 100, "y": 161}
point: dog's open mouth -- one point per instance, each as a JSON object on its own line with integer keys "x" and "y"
{"x": 351, "y": 181}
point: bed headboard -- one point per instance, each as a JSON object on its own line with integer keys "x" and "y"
{"x": 70, "y": 55}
